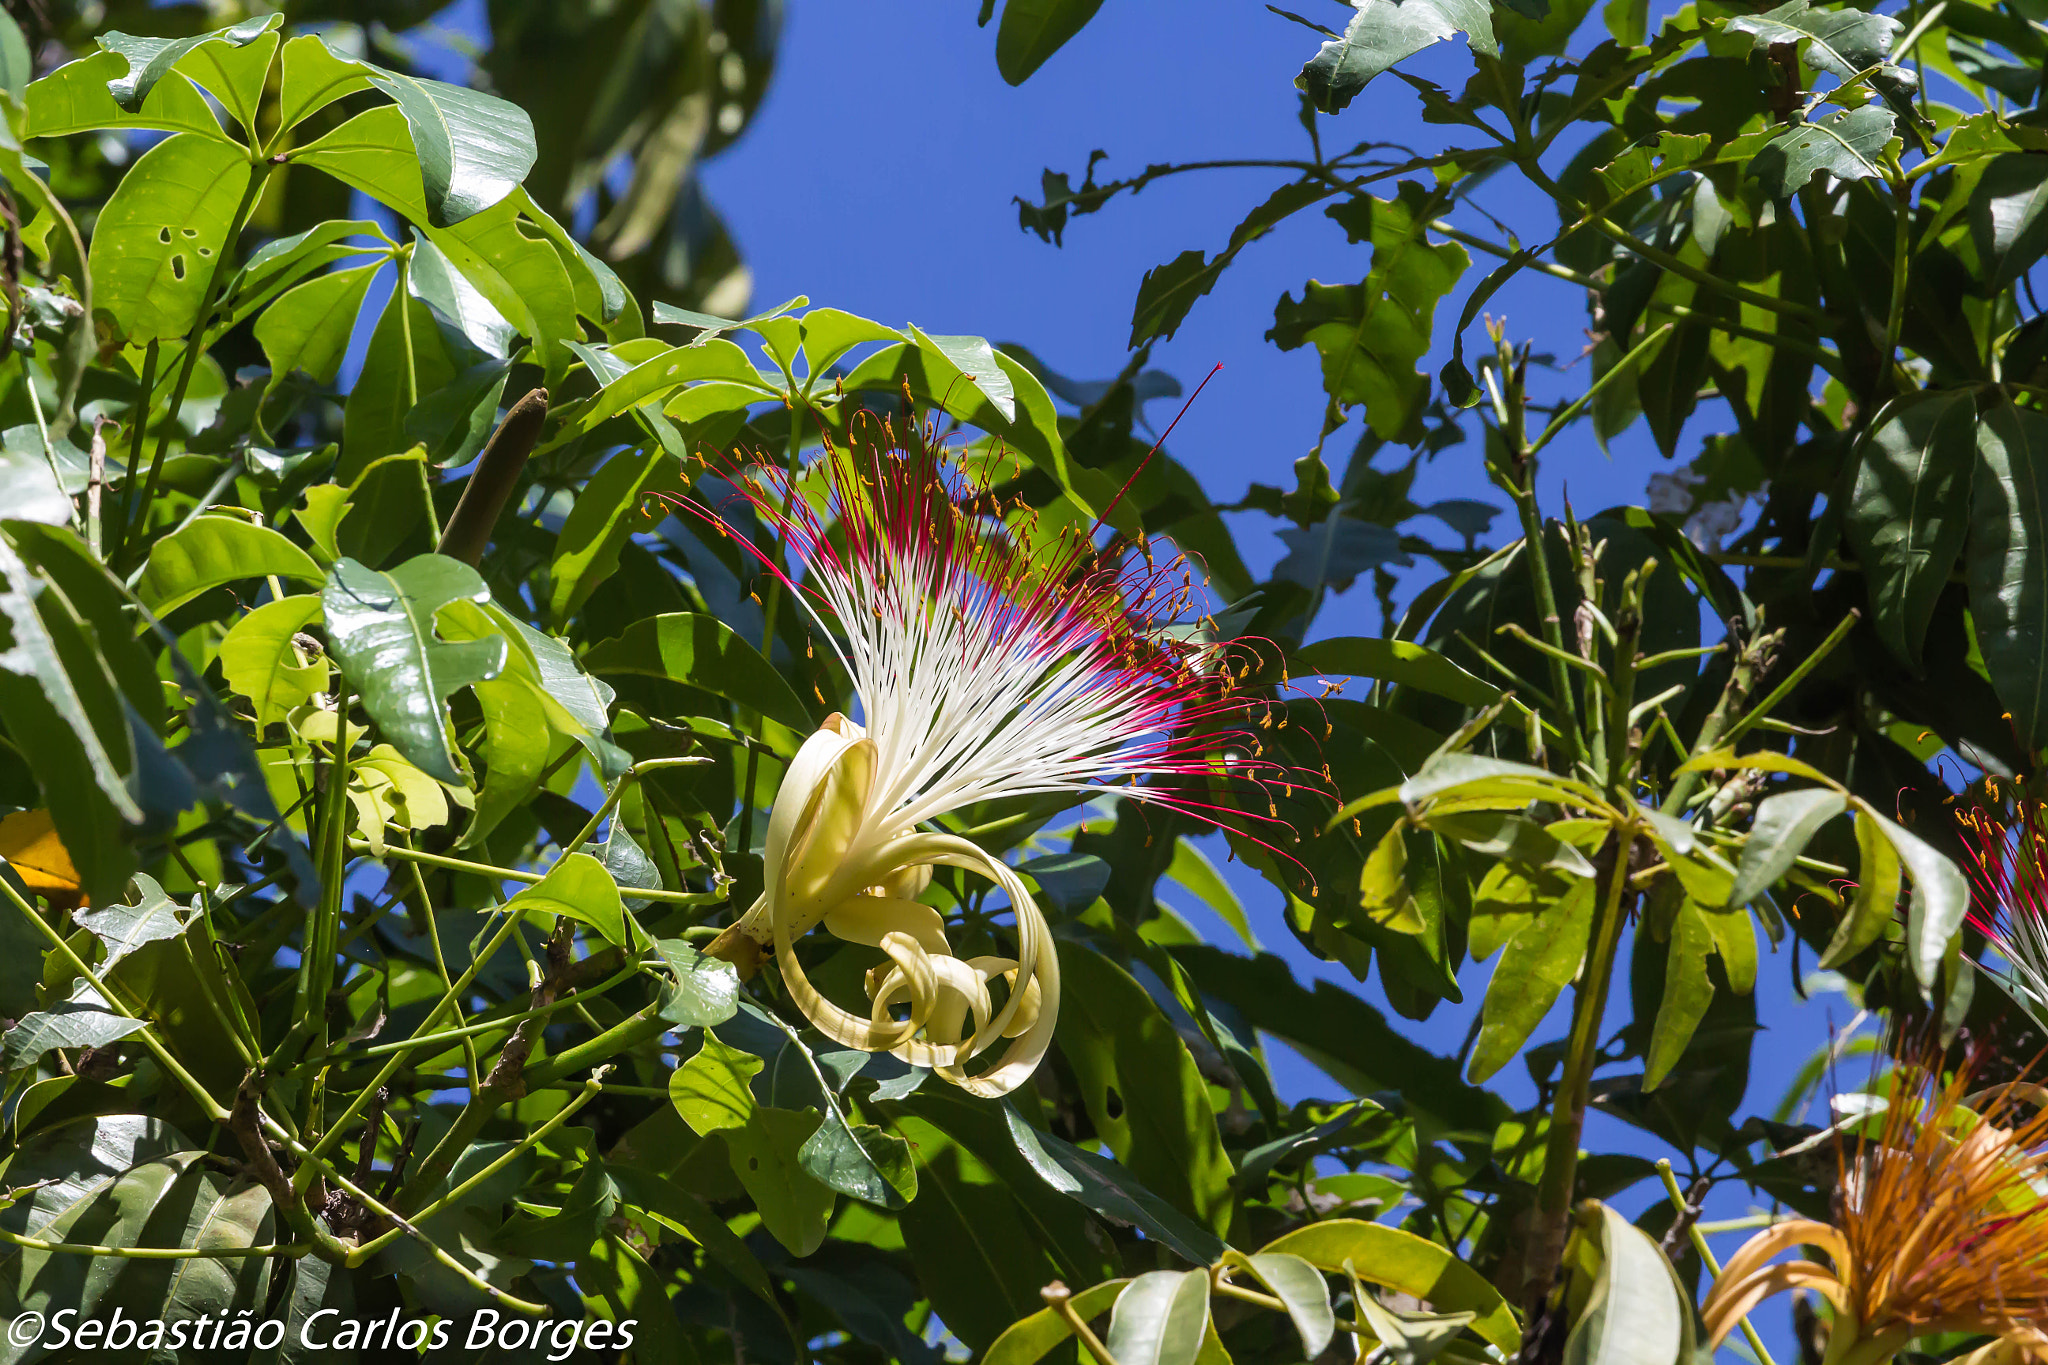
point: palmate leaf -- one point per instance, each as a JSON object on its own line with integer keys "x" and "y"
{"x": 159, "y": 239}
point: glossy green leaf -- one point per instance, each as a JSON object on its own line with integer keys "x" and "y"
{"x": 518, "y": 271}
{"x": 1160, "y": 1318}
{"x": 1785, "y": 823}
{"x": 308, "y": 327}
{"x": 1301, "y": 1287}
{"x": 707, "y": 991}
{"x": 2007, "y": 563}
{"x": 149, "y": 60}
{"x": 1159, "y": 1122}
{"x": 617, "y": 502}
{"x": 30, "y": 487}
{"x": 311, "y": 77}
{"x": 473, "y": 148}
{"x": 707, "y": 654}
{"x": 1409, "y": 1264}
{"x": 1111, "y": 1190}
{"x": 1382, "y": 33}
{"x": 1537, "y": 964}
{"x": 577, "y": 886}
{"x": 381, "y": 629}
{"x": 215, "y": 550}
{"x": 1880, "y": 877}
{"x": 975, "y": 359}
{"x": 235, "y": 74}
{"x": 1638, "y": 1312}
{"x": 1840, "y": 42}
{"x": 1910, "y": 509}
{"x": 160, "y": 237}
{"x": 411, "y": 356}
{"x": 122, "y": 928}
{"x": 17, "y": 63}
{"x": 1369, "y": 336}
{"x": 74, "y": 99}
{"x": 118, "y": 1214}
{"x": 372, "y": 152}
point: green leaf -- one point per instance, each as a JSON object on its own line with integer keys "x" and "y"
{"x": 372, "y": 152}
{"x": 1400, "y": 663}
{"x": 2007, "y": 564}
{"x": 68, "y": 678}
{"x": 1167, "y": 292}
{"x": 1110, "y": 1190}
{"x": 309, "y": 326}
{"x": 711, "y": 1092}
{"x": 1687, "y": 993}
{"x": 74, "y": 99}
{"x": 235, "y": 74}
{"x": 473, "y": 148}
{"x": 1030, "y": 1340}
{"x": 29, "y": 489}
{"x": 311, "y": 78}
{"x": 1537, "y": 963}
{"x": 124, "y": 928}
{"x": 382, "y": 633}
{"x": 1034, "y": 432}
{"x": 1409, "y": 1264}
{"x": 1371, "y": 334}
{"x": 976, "y": 361}
{"x": 1639, "y": 1313}
{"x": 1382, "y": 33}
{"x": 160, "y": 237}
{"x": 411, "y": 354}
{"x": 704, "y": 652}
{"x": 1880, "y": 876}
{"x": 117, "y": 1214}
{"x": 860, "y": 1160}
{"x": 1301, "y": 1287}
{"x": 201, "y": 1212}
{"x": 1910, "y": 510}
{"x": 1941, "y": 897}
{"x": 619, "y": 1286}
{"x": 707, "y": 991}
{"x": 1160, "y": 1318}
{"x": 149, "y": 60}
{"x": 1142, "y": 1090}
{"x": 2007, "y": 222}
{"x": 17, "y": 63}
{"x": 65, "y": 1167}
{"x": 520, "y": 275}
{"x": 1514, "y": 838}
{"x": 612, "y": 506}
{"x": 1841, "y": 42}
{"x": 577, "y": 886}
{"x": 1785, "y": 822}
{"x": 83, "y": 1021}
{"x": 216, "y": 550}
{"x": 1032, "y": 30}
{"x": 1850, "y": 144}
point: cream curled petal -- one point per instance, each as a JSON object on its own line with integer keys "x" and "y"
{"x": 906, "y": 883}
{"x": 866, "y": 918}
{"x": 813, "y": 870}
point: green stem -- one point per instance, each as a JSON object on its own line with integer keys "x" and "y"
{"x": 1559, "y": 422}
{"x": 589, "y": 1092}
{"x": 135, "y": 437}
{"x": 1707, "y": 1258}
{"x": 512, "y": 874}
{"x": 1568, "y": 1111}
{"x": 153, "y": 1253}
{"x": 1792, "y": 680}
{"x": 484, "y": 1026}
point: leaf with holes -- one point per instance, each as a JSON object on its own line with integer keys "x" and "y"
{"x": 1382, "y": 33}
{"x": 160, "y": 237}
{"x": 1850, "y": 144}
